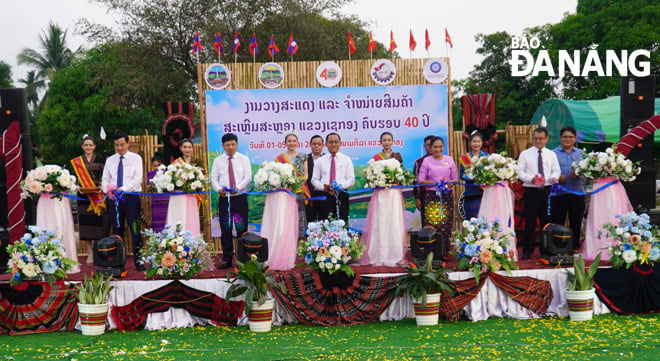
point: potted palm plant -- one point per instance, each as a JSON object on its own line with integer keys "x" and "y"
{"x": 425, "y": 286}
{"x": 580, "y": 289}
{"x": 92, "y": 303}
{"x": 252, "y": 278}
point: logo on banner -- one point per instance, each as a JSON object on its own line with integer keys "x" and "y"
{"x": 383, "y": 72}
{"x": 436, "y": 70}
{"x": 217, "y": 76}
{"x": 328, "y": 74}
{"x": 271, "y": 75}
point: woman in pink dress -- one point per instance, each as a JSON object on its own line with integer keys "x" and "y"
{"x": 384, "y": 231}
{"x": 438, "y": 209}
{"x": 185, "y": 208}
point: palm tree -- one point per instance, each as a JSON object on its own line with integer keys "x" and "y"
{"x": 32, "y": 86}
{"x": 52, "y": 56}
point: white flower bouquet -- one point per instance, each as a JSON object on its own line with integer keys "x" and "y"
{"x": 330, "y": 247}
{"x": 275, "y": 175}
{"x": 386, "y": 173}
{"x": 635, "y": 240}
{"x": 180, "y": 176}
{"x": 48, "y": 179}
{"x": 175, "y": 253}
{"x": 605, "y": 164}
{"x": 492, "y": 168}
{"x": 38, "y": 255}
{"x": 482, "y": 247}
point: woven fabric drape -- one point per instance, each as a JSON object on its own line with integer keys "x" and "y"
{"x": 479, "y": 114}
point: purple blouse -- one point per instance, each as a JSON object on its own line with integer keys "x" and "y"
{"x": 437, "y": 170}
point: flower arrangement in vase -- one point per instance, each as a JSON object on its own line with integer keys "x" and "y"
{"x": 180, "y": 176}
{"x": 39, "y": 254}
{"x": 386, "y": 173}
{"x": 606, "y": 164}
{"x": 635, "y": 240}
{"x": 275, "y": 175}
{"x": 492, "y": 168}
{"x": 175, "y": 253}
{"x": 483, "y": 247}
{"x": 330, "y": 247}
{"x": 48, "y": 179}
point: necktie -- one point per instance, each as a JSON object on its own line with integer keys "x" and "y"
{"x": 120, "y": 172}
{"x": 333, "y": 169}
{"x": 540, "y": 165}
{"x": 230, "y": 171}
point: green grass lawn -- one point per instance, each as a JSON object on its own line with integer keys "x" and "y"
{"x": 606, "y": 337}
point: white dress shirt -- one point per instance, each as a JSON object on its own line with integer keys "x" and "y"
{"x": 344, "y": 173}
{"x": 242, "y": 172}
{"x": 528, "y": 166}
{"x": 132, "y": 172}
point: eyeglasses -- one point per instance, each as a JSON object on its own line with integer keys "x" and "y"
{"x": 568, "y": 136}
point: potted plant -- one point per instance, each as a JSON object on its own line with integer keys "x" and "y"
{"x": 252, "y": 279}
{"x": 92, "y": 303}
{"x": 580, "y": 289}
{"x": 425, "y": 287}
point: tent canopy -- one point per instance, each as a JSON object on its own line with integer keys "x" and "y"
{"x": 595, "y": 120}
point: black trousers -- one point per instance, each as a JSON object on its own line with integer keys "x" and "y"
{"x": 128, "y": 210}
{"x": 574, "y": 206}
{"x": 232, "y": 211}
{"x": 312, "y": 208}
{"x": 536, "y": 207}
{"x": 329, "y": 206}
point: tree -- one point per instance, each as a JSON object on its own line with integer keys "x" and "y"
{"x": 5, "y": 75}
{"x": 517, "y": 97}
{"x": 33, "y": 85}
{"x": 612, "y": 25}
{"x": 53, "y": 55}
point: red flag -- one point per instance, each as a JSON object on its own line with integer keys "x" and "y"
{"x": 372, "y": 44}
{"x": 392, "y": 42}
{"x": 253, "y": 45}
{"x": 351, "y": 44}
{"x": 272, "y": 47}
{"x": 218, "y": 44}
{"x": 197, "y": 45}
{"x": 448, "y": 39}
{"x": 412, "y": 44}
{"x": 428, "y": 41}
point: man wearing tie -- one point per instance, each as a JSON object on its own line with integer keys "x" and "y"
{"x": 333, "y": 167}
{"x": 538, "y": 168}
{"x": 231, "y": 172}
{"x": 123, "y": 172}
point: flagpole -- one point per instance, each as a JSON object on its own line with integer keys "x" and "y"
{"x": 349, "y": 52}
{"x": 235, "y": 56}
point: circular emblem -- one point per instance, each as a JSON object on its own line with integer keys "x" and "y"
{"x": 383, "y": 72}
{"x": 217, "y": 76}
{"x": 328, "y": 74}
{"x": 271, "y": 75}
{"x": 436, "y": 70}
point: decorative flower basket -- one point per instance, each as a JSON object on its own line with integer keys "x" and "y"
{"x": 48, "y": 179}
{"x": 482, "y": 246}
{"x": 386, "y": 173}
{"x": 275, "y": 175}
{"x": 180, "y": 176}
{"x": 492, "y": 168}
{"x": 330, "y": 247}
{"x": 634, "y": 241}
{"x": 580, "y": 304}
{"x": 38, "y": 255}
{"x": 606, "y": 164}
{"x": 427, "y": 309}
{"x": 174, "y": 253}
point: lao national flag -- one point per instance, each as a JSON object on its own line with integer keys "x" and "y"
{"x": 272, "y": 47}
{"x": 197, "y": 45}
{"x": 237, "y": 43}
{"x": 218, "y": 44}
{"x": 253, "y": 44}
{"x": 293, "y": 46}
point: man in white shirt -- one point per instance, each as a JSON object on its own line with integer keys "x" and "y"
{"x": 333, "y": 167}
{"x": 538, "y": 168}
{"x": 123, "y": 171}
{"x": 231, "y": 172}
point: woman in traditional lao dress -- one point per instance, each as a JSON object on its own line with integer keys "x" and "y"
{"x": 159, "y": 204}
{"x": 92, "y": 216}
{"x": 471, "y": 197}
{"x": 284, "y": 215}
{"x": 384, "y": 233}
{"x": 438, "y": 205}
{"x": 185, "y": 208}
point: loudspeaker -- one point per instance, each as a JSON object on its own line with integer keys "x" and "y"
{"x": 637, "y": 105}
{"x": 250, "y": 243}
